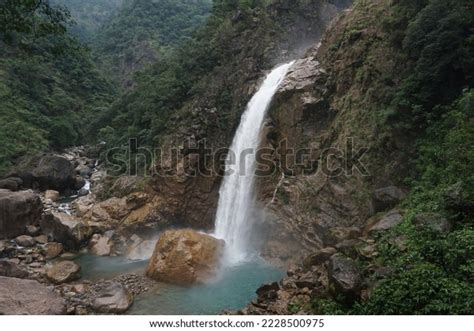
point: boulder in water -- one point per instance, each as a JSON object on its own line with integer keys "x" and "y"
{"x": 17, "y": 210}
{"x": 185, "y": 257}
{"x": 28, "y": 297}
{"x": 63, "y": 272}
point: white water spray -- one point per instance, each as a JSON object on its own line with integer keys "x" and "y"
{"x": 235, "y": 212}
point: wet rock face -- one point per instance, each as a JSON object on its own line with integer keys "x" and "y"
{"x": 28, "y": 297}
{"x": 17, "y": 210}
{"x": 185, "y": 257}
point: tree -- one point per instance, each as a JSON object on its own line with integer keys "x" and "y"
{"x": 35, "y": 18}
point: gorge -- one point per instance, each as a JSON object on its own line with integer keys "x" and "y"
{"x": 364, "y": 108}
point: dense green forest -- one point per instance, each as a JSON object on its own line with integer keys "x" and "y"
{"x": 89, "y": 16}
{"x": 49, "y": 85}
{"x": 143, "y": 31}
{"x": 60, "y": 64}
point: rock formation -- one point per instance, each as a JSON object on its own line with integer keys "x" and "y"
{"x": 185, "y": 257}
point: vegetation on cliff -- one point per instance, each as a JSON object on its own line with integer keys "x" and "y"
{"x": 426, "y": 106}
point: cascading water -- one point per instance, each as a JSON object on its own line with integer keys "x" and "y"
{"x": 235, "y": 213}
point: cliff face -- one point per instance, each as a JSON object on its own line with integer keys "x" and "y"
{"x": 326, "y": 112}
{"x": 255, "y": 41}
{"x": 386, "y": 84}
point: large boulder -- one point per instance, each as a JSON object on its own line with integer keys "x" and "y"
{"x": 12, "y": 183}
{"x": 387, "y": 197}
{"x": 28, "y": 297}
{"x": 48, "y": 171}
{"x": 17, "y": 210}
{"x": 344, "y": 276}
{"x": 112, "y": 299}
{"x": 65, "y": 229}
{"x": 185, "y": 257}
{"x": 63, "y": 272}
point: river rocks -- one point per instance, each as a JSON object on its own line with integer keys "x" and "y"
{"x": 25, "y": 241}
{"x": 11, "y": 269}
{"x": 65, "y": 229}
{"x": 53, "y": 250}
{"x": 185, "y": 257}
{"x": 18, "y": 210}
{"x": 51, "y": 195}
{"x": 387, "y": 197}
{"x": 432, "y": 221}
{"x": 28, "y": 297}
{"x": 101, "y": 245}
{"x": 344, "y": 276}
{"x": 12, "y": 183}
{"x": 112, "y": 299}
{"x": 48, "y": 171}
{"x": 63, "y": 272}
{"x": 32, "y": 230}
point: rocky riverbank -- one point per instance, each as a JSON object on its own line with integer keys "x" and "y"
{"x": 50, "y": 215}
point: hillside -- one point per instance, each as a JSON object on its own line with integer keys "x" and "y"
{"x": 50, "y": 88}
{"x": 143, "y": 31}
{"x": 89, "y": 16}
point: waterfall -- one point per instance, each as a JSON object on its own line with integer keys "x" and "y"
{"x": 235, "y": 213}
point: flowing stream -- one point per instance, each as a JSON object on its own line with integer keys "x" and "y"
{"x": 236, "y": 209}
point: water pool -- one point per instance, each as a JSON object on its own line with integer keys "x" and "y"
{"x": 233, "y": 289}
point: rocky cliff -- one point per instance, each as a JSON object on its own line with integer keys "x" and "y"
{"x": 252, "y": 42}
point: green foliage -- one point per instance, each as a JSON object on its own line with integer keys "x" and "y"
{"x": 439, "y": 42}
{"x": 432, "y": 103}
{"x": 143, "y": 31}
{"x": 49, "y": 89}
{"x": 20, "y": 19}
{"x": 89, "y": 16}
